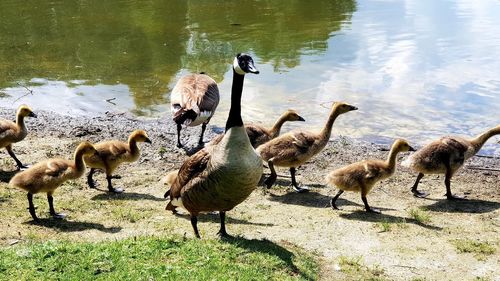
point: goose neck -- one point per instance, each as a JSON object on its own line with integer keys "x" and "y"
{"x": 481, "y": 139}
{"x": 234, "y": 118}
{"x": 275, "y": 130}
{"x": 327, "y": 130}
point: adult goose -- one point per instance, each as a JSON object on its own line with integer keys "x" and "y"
{"x": 445, "y": 156}
{"x": 295, "y": 148}
{"x": 11, "y": 132}
{"x": 219, "y": 177}
{"x": 193, "y": 102}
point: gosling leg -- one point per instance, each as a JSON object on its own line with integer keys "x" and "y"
{"x": 19, "y": 165}
{"x": 51, "y": 208}
{"x": 272, "y": 178}
{"x": 365, "y": 201}
{"x": 295, "y": 186}
{"x": 222, "y": 232}
{"x": 447, "y": 183}
{"x": 179, "y": 128}
{"x": 110, "y": 185}
{"x": 415, "y": 191}
{"x": 334, "y": 199}
{"x": 91, "y": 182}
{"x": 31, "y": 207}
{"x": 194, "y": 223}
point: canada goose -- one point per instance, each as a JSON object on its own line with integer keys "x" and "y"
{"x": 193, "y": 102}
{"x": 111, "y": 154}
{"x": 445, "y": 156}
{"x": 11, "y": 132}
{"x": 48, "y": 175}
{"x": 362, "y": 176}
{"x": 259, "y": 135}
{"x": 295, "y": 148}
{"x": 219, "y": 177}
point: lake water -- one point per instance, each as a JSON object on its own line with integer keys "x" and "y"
{"x": 416, "y": 69}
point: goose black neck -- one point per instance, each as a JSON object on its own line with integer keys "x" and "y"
{"x": 234, "y": 118}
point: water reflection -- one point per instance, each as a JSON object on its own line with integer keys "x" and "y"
{"x": 416, "y": 68}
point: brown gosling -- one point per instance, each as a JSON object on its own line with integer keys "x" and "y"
{"x": 193, "y": 102}
{"x": 11, "y": 132}
{"x": 48, "y": 175}
{"x": 219, "y": 177}
{"x": 445, "y": 156}
{"x": 295, "y": 148}
{"x": 259, "y": 135}
{"x": 113, "y": 153}
{"x": 362, "y": 176}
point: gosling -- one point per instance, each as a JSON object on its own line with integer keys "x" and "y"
{"x": 113, "y": 153}
{"x": 362, "y": 176}
{"x": 295, "y": 148}
{"x": 445, "y": 156}
{"x": 11, "y": 132}
{"x": 48, "y": 175}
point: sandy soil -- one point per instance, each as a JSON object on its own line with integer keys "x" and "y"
{"x": 412, "y": 238}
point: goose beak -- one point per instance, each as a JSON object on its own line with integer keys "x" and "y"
{"x": 353, "y": 108}
{"x": 32, "y": 114}
{"x": 148, "y": 141}
{"x": 412, "y": 149}
{"x": 301, "y": 119}
{"x": 252, "y": 69}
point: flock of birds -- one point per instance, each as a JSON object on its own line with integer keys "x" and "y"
{"x": 225, "y": 172}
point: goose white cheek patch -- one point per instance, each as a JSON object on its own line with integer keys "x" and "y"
{"x": 237, "y": 68}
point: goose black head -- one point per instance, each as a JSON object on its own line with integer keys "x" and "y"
{"x": 243, "y": 63}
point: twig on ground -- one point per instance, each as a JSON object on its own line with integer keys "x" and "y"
{"x": 30, "y": 92}
{"x": 111, "y": 101}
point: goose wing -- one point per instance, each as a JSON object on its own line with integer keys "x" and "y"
{"x": 257, "y": 134}
{"x": 191, "y": 172}
{"x": 6, "y": 128}
{"x": 302, "y": 140}
{"x": 55, "y": 167}
{"x": 112, "y": 151}
{"x": 196, "y": 92}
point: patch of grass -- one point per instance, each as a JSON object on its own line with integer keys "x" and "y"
{"x": 419, "y": 215}
{"x": 385, "y": 226}
{"x": 354, "y": 267}
{"x": 478, "y": 248}
{"x": 151, "y": 258}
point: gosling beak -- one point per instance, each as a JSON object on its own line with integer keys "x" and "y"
{"x": 353, "y": 108}
{"x": 412, "y": 149}
{"x": 301, "y": 119}
{"x": 32, "y": 114}
{"x": 148, "y": 141}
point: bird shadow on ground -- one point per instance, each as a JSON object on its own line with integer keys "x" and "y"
{"x": 269, "y": 248}
{"x": 379, "y": 218}
{"x": 190, "y": 150}
{"x": 214, "y": 217}
{"x": 6, "y": 176}
{"x": 463, "y": 206}
{"x": 72, "y": 226}
{"x": 132, "y": 196}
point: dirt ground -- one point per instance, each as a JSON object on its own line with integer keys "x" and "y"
{"x": 413, "y": 239}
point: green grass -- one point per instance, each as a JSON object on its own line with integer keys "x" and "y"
{"x": 355, "y": 269}
{"x": 420, "y": 216}
{"x": 478, "y": 248}
{"x": 151, "y": 258}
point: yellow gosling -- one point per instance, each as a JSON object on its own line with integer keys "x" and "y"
{"x": 362, "y": 176}
{"x": 48, "y": 175}
{"x": 113, "y": 153}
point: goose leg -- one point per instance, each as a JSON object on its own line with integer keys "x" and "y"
{"x": 415, "y": 191}
{"x": 91, "y": 182}
{"x": 447, "y": 183}
{"x": 51, "y": 208}
{"x": 179, "y": 128}
{"x": 334, "y": 199}
{"x": 19, "y": 165}
{"x": 110, "y": 185}
{"x": 32, "y": 206}
{"x": 295, "y": 186}
{"x": 222, "y": 232}
{"x": 203, "y": 128}
{"x": 272, "y": 178}
{"x": 194, "y": 223}
{"x": 365, "y": 201}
